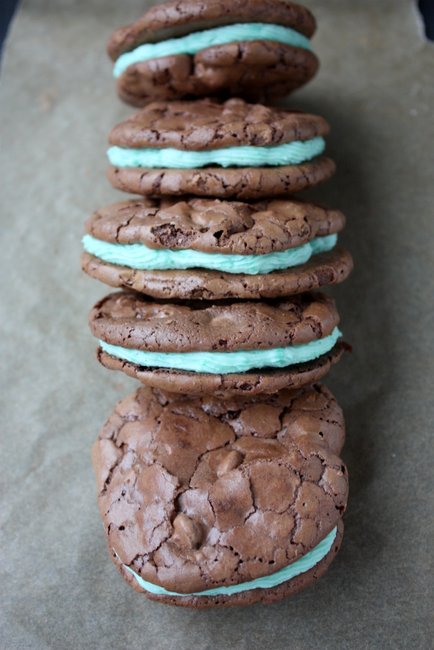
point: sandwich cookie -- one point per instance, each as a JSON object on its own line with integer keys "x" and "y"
{"x": 230, "y": 347}
{"x": 222, "y": 502}
{"x": 213, "y": 249}
{"x": 230, "y": 150}
{"x": 214, "y": 47}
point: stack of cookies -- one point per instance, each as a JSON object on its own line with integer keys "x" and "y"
{"x": 219, "y": 480}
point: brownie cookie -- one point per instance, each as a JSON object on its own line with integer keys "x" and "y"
{"x": 211, "y": 502}
{"x": 214, "y": 48}
{"x": 231, "y": 249}
{"x": 231, "y": 150}
{"x": 229, "y": 346}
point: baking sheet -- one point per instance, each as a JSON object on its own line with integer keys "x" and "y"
{"x": 58, "y": 587}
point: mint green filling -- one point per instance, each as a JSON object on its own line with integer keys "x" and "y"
{"x": 302, "y": 565}
{"x": 140, "y": 256}
{"x": 226, "y": 362}
{"x": 197, "y": 41}
{"x": 290, "y": 153}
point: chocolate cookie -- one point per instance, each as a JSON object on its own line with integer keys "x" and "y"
{"x": 190, "y": 49}
{"x": 210, "y": 502}
{"x": 231, "y": 150}
{"x": 231, "y": 249}
{"x": 232, "y": 346}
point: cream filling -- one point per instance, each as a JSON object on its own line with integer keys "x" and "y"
{"x": 197, "y": 41}
{"x": 300, "y": 566}
{"x": 226, "y": 362}
{"x": 141, "y": 257}
{"x": 289, "y": 153}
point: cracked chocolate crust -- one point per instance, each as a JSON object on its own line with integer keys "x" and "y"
{"x": 213, "y": 225}
{"x": 194, "y": 496}
{"x": 235, "y": 69}
{"x": 264, "y": 596}
{"x": 132, "y": 321}
{"x": 308, "y": 413}
{"x": 248, "y": 383}
{"x": 173, "y": 19}
{"x": 243, "y": 183}
{"x": 204, "y": 124}
{"x": 200, "y": 284}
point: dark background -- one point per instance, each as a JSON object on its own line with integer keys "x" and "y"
{"x": 427, "y": 10}
{"x": 7, "y": 8}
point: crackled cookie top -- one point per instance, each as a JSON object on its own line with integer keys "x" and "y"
{"x": 213, "y": 225}
{"x": 174, "y": 19}
{"x": 132, "y": 321}
{"x": 215, "y": 338}
{"x": 195, "y": 498}
{"x": 226, "y": 236}
{"x": 207, "y": 125}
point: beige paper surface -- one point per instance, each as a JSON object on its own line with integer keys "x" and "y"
{"x": 58, "y": 587}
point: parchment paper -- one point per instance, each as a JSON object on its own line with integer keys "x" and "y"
{"x": 58, "y": 587}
